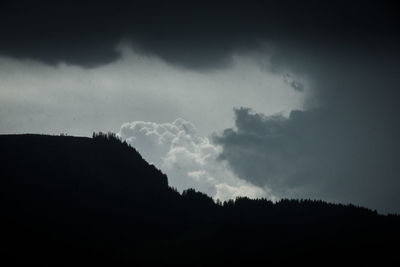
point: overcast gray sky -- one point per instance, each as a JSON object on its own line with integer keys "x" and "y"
{"x": 36, "y": 97}
{"x": 274, "y": 99}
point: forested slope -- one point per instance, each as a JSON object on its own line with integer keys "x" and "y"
{"x": 72, "y": 200}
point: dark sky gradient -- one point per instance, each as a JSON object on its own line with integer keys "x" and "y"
{"x": 342, "y": 147}
{"x": 196, "y": 35}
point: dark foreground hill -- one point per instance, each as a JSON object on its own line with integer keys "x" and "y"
{"x": 73, "y": 200}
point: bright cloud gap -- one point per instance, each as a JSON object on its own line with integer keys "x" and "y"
{"x": 189, "y": 160}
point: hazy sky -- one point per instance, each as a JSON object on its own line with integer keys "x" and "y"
{"x": 67, "y": 98}
{"x": 273, "y": 99}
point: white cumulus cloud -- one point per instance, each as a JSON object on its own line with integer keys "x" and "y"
{"x": 189, "y": 160}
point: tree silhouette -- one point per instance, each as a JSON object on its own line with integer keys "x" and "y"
{"x": 95, "y": 200}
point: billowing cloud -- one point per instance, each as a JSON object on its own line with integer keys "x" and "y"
{"x": 188, "y": 159}
{"x": 320, "y": 153}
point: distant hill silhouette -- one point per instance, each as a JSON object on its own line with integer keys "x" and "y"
{"x": 76, "y": 200}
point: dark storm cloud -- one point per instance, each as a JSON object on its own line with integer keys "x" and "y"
{"x": 342, "y": 148}
{"x": 314, "y": 154}
{"x": 197, "y": 35}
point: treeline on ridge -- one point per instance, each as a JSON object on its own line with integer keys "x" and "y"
{"x": 92, "y": 200}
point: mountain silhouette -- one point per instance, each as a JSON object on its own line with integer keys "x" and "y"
{"x": 77, "y": 200}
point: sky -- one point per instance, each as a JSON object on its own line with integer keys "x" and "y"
{"x": 274, "y": 99}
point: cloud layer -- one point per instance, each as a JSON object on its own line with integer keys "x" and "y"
{"x": 38, "y": 98}
{"x": 188, "y": 159}
{"x": 196, "y": 35}
{"x": 343, "y": 148}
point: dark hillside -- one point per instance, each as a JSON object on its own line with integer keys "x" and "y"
{"x": 72, "y": 200}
